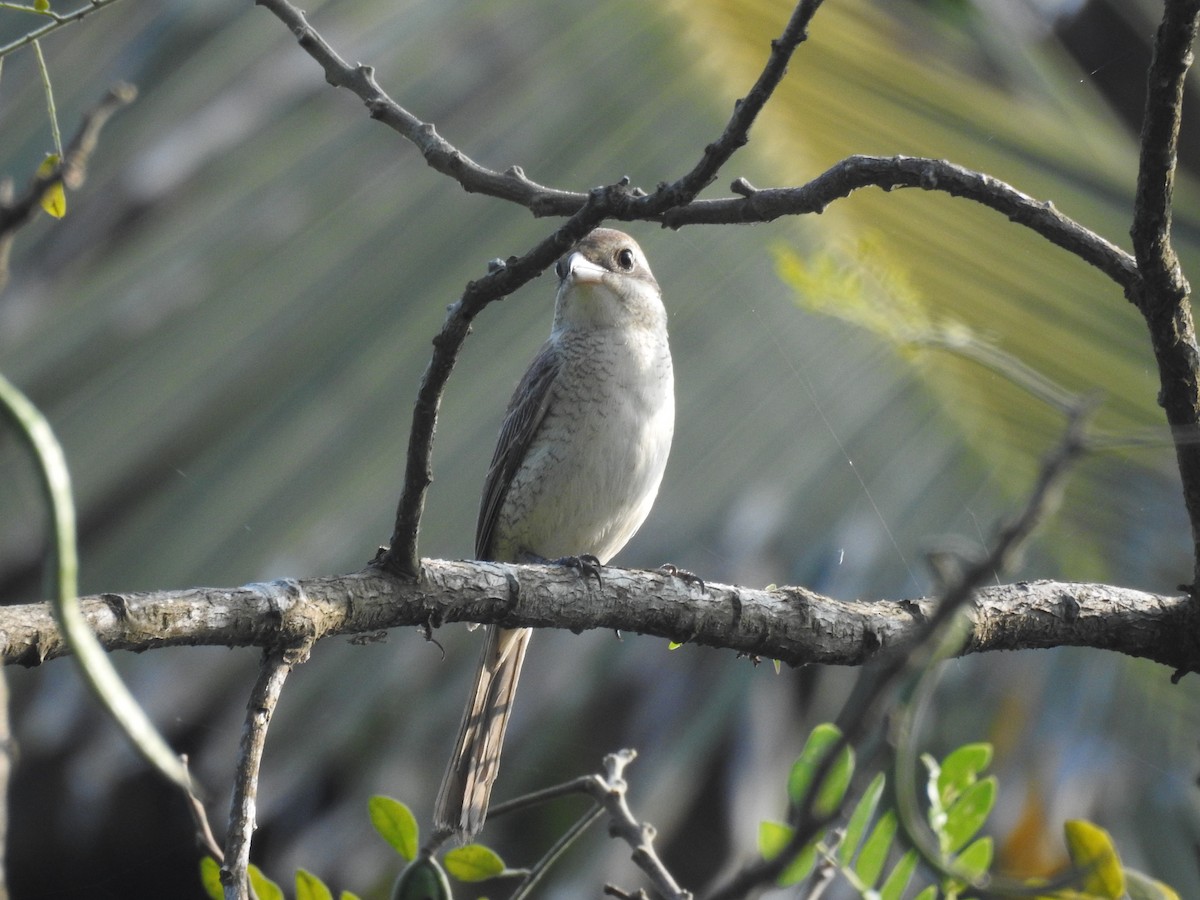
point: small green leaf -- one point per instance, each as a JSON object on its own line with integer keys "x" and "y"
{"x": 930, "y": 893}
{"x": 778, "y": 666}
{"x": 210, "y": 877}
{"x": 422, "y": 879}
{"x": 1092, "y": 852}
{"x": 473, "y": 862}
{"x": 264, "y": 887}
{"x": 961, "y": 769}
{"x": 864, "y": 810}
{"x": 897, "y": 882}
{"x": 967, "y": 814}
{"x": 974, "y": 862}
{"x": 772, "y": 838}
{"x": 797, "y": 870}
{"x": 674, "y": 645}
{"x": 348, "y": 895}
{"x": 837, "y": 781}
{"x": 875, "y": 850}
{"x": 41, "y": 5}
{"x": 310, "y": 887}
{"x": 396, "y": 824}
{"x": 54, "y": 200}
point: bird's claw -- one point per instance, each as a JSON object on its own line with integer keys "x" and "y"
{"x": 586, "y": 564}
{"x": 688, "y": 578}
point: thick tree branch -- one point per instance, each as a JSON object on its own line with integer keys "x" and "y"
{"x": 791, "y": 624}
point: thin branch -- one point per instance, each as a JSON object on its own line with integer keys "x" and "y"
{"x": 72, "y": 169}
{"x": 857, "y": 172}
{"x": 512, "y": 184}
{"x": 57, "y": 21}
{"x": 277, "y": 664}
{"x": 609, "y": 791}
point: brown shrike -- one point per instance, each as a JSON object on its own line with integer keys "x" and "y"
{"x": 577, "y": 465}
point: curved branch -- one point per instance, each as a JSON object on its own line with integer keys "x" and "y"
{"x": 888, "y": 172}
{"x": 791, "y": 624}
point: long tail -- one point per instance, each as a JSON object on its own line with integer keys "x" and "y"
{"x": 462, "y": 800}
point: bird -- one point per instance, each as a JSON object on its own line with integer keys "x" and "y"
{"x": 577, "y": 466}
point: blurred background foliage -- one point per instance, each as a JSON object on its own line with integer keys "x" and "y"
{"x": 227, "y": 331}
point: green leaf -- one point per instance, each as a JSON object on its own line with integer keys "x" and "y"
{"x": 348, "y": 895}
{"x": 310, "y": 887}
{"x": 41, "y": 5}
{"x": 264, "y": 887}
{"x": 773, "y": 837}
{"x": 974, "y": 862}
{"x": 422, "y": 879}
{"x": 473, "y": 862}
{"x": 396, "y": 824}
{"x": 837, "y": 781}
{"x": 864, "y": 810}
{"x": 674, "y": 645}
{"x": 961, "y": 769}
{"x": 54, "y": 200}
{"x": 875, "y": 850}
{"x": 930, "y": 893}
{"x": 799, "y": 868}
{"x": 210, "y": 877}
{"x": 967, "y": 814}
{"x": 1093, "y": 853}
{"x": 897, "y": 882}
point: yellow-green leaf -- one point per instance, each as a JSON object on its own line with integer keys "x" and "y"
{"x": 396, "y": 824}
{"x": 1094, "y": 855}
{"x": 264, "y": 887}
{"x": 54, "y": 200}
{"x": 41, "y": 5}
{"x": 772, "y": 838}
{"x": 210, "y": 877}
{"x": 473, "y": 862}
{"x": 310, "y": 887}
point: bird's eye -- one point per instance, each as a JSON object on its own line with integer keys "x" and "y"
{"x": 560, "y": 268}
{"x": 625, "y": 259}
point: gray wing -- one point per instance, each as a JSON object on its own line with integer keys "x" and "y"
{"x": 521, "y": 421}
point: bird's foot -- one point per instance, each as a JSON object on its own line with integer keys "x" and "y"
{"x": 586, "y": 564}
{"x": 688, "y": 578}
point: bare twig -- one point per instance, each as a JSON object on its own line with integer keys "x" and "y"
{"x": 57, "y": 21}
{"x": 857, "y": 172}
{"x": 609, "y": 791}
{"x": 277, "y": 664}
{"x": 72, "y": 169}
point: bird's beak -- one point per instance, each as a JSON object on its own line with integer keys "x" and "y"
{"x": 581, "y": 270}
